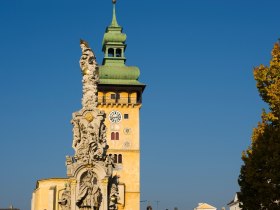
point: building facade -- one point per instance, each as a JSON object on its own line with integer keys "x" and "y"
{"x": 111, "y": 106}
{"x": 234, "y": 204}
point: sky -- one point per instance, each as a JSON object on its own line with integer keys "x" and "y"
{"x": 199, "y": 107}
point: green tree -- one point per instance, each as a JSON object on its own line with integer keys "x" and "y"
{"x": 259, "y": 177}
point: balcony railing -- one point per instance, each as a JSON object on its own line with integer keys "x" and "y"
{"x": 121, "y": 100}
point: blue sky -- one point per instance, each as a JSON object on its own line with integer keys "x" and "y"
{"x": 199, "y": 107}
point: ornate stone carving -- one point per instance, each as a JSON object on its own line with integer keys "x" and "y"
{"x": 65, "y": 200}
{"x": 90, "y": 76}
{"x": 89, "y": 195}
{"x": 90, "y": 165}
{"x": 76, "y": 133}
{"x": 89, "y": 137}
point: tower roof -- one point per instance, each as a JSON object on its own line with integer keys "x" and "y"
{"x": 114, "y": 18}
{"x": 113, "y": 33}
{"x": 114, "y": 71}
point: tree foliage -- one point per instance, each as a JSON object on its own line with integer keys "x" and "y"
{"x": 259, "y": 177}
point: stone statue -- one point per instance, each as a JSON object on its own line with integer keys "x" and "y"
{"x": 89, "y": 195}
{"x": 91, "y": 168}
{"x": 76, "y": 133}
{"x": 65, "y": 200}
{"x": 110, "y": 164}
{"x": 114, "y": 193}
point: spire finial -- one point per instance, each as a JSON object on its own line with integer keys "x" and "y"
{"x": 114, "y": 19}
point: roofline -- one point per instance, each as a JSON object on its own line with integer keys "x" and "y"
{"x": 59, "y": 178}
{"x": 143, "y": 86}
{"x": 48, "y": 179}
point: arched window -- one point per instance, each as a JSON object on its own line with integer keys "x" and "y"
{"x": 110, "y": 52}
{"x": 117, "y": 136}
{"x": 118, "y": 53}
{"x": 119, "y": 158}
{"x": 115, "y": 158}
{"x": 113, "y": 136}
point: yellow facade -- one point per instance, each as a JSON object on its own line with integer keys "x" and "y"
{"x": 47, "y": 193}
{"x": 128, "y": 144}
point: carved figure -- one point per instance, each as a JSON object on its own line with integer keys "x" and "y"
{"x": 76, "y": 133}
{"x": 82, "y": 154}
{"x": 65, "y": 200}
{"x": 89, "y": 196}
{"x": 110, "y": 164}
{"x": 102, "y": 135}
{"x": 114, "y": 193}
{"x": 87, "y": 59}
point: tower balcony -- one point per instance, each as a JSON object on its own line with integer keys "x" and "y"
{"x": 103, "y": 100}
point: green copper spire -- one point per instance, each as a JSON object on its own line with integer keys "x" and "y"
{"x": 113, "y": 44}
{"x": 114, "y": 19}
{"x": 113, "y": 70}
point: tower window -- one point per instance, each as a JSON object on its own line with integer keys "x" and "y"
{"x": 118, "y": 53}
{"x": 111, "y": 52}
{"x": 117, "y": 136}
{"x": 115, "y": 158}
{"x": 119, "y": 158}
{"x": 113, "y": 136}
{"x": 125, "y": 116}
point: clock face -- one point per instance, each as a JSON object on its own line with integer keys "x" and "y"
{"x": 115, "y": 116}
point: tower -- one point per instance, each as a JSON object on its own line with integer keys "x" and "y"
{"x": 120, "y": 97}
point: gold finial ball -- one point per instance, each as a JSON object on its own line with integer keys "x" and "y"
{"x": 89, "y": 117}
{"x": 114, "y": 1}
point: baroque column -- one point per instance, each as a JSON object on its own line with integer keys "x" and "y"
{"x": 91, "y": 169}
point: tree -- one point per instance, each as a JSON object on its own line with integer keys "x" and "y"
{"x": 259, "y": 177}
